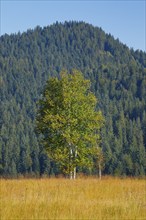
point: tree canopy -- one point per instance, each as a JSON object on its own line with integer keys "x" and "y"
{"x": 69, "y": 122}
{"x": 118, "y": 78}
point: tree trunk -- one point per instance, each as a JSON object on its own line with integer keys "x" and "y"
{"x": 71, "y": 154}
{"x": 75, "y": 169}
{"x": 99, "y": 167}
{"x": 74, "y": 173}
{"x": 71, "y": 176}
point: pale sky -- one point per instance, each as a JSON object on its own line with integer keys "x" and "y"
{"x": 125, "y": 19}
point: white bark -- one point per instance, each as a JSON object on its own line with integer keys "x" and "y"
{"x": 71, "y": 172}
{"x": 75, "y": 159}
{"x": 72, "y": 169}
{"x": 99, "y": 167}
{"x": 71, "y": 176}
{"x": 74, "y": 173}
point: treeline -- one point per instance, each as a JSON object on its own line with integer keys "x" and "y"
{"x": 118, "y": 76}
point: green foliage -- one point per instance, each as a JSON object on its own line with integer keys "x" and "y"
{"x": 68, "y": 120}
{"x": 118, "y": 79}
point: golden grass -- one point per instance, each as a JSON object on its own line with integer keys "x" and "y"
{"x": 110, "y": 198}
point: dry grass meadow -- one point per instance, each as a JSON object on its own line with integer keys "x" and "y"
{"x": 110, "y": 198}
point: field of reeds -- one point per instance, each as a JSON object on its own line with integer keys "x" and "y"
{"x": 91, "y": 198}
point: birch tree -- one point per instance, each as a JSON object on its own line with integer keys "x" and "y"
{"x": 68, "y": 120}
{"x": 99, "y": 158}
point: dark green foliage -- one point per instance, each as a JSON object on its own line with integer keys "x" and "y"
{"x": 118, "y": 77}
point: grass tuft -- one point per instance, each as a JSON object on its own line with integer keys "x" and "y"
{"x": 110, "y": 198}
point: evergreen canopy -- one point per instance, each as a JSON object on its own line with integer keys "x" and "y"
{"x": 118, "y": 80}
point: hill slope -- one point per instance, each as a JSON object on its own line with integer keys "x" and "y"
{"x": 118, "y": 77}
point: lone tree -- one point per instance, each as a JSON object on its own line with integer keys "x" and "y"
{"x": 68, "y": 121}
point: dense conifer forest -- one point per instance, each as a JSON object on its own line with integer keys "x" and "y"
{"x": 118, "y": 79}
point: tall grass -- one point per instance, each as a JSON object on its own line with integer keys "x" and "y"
{"x": 110, "y": 198}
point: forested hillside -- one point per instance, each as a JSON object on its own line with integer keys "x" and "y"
{"x": 118, "y": 76}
